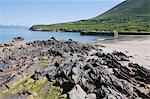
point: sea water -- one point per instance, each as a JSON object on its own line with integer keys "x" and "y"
{"x": 7, "y": 34}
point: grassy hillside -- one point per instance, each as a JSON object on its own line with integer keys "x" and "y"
{"x": 128, "y": 8}
{"x": 130, "y": 15}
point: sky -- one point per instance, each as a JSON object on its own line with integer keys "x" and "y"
{"x": 30, "y": 12}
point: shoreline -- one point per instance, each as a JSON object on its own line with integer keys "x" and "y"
{"x": 139, "y": 50}
{"x": 85, "y": 70}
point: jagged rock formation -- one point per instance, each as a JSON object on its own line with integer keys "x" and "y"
{"x": 81, "y": 70}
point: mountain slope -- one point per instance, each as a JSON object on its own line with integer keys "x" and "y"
{"x": 128, "y": 8}
{"x": 130, "y": 15}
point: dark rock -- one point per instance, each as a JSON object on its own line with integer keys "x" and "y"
{"x": 53, "y": 38}
{"x": 77, "y": 70}
{"x": 142, "y": 94}
{"x": 18, "y": 38}
{"x": 121, "y": 56}
{"x": 7, "y": 44}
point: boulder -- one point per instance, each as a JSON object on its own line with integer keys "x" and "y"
{"x": 18, "y": 39}
{"x": 77, "y": 93}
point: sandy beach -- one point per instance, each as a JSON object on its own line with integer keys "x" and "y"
{"x": 138, "y": 49}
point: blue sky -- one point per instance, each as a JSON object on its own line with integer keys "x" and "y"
{"x": 29, "y": 12}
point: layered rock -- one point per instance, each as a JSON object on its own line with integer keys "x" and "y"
{"x": 81, "y": 70}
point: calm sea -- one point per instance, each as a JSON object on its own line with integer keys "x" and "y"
{"x": 7, "y": 34}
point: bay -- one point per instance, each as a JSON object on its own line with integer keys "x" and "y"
{"x": 7, "y": 34}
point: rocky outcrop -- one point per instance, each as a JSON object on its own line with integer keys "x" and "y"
{"x": 83, "y": 71}
{"x": 37, "y": 28}
{"x": 18, "y": 39}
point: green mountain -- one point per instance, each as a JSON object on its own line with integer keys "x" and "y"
{"x": 130, "y": 15}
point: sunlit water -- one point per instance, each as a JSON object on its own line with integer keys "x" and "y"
{"x": 7, "y": 34}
